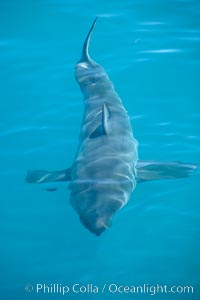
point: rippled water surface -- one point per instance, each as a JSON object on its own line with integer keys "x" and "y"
{"x": 151, "y": 51}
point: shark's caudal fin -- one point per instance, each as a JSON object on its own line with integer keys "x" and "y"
{"x": 85, "y": 54}
{"x": 154, "y": 170}
{"x": 146, "y": 171}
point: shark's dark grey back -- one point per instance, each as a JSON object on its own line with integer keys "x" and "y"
{"x": 103, "y": 172}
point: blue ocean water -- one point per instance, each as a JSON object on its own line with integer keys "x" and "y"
{"x": 151, "y": 51}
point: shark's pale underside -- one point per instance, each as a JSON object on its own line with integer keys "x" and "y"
{"x": 106, "y": 166}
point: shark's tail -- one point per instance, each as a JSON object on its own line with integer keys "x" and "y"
{"x": 85, "y": 54}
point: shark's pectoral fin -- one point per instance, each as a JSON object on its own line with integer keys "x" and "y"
{"x": 154, "y": 170}
{"x": 103, "y": 128}
{"x": 42, "y": 176}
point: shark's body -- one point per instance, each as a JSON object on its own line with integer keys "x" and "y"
{"x": 104, "y": 172}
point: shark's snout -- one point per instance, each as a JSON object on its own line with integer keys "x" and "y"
{"x": 95, "y": 223}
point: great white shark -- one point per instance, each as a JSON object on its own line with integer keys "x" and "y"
{"x": 106, "y": 168}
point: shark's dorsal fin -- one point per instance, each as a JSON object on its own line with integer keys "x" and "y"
{"x": 102, "y": 129}
{"x": 105, "y": 117}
